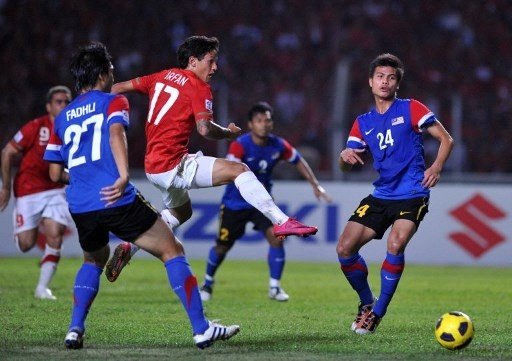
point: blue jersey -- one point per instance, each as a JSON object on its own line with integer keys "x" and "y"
{"x": 395, "y": 142}
{"x": 81, "y": 141}
{"x": 261, "y": 160}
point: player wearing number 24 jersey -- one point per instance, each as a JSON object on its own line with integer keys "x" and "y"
{"x": 392, "y": 132}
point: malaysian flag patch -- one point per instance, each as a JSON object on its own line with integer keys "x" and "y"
{"x": 208, "y": 104}
{"x": 396, "y": 121}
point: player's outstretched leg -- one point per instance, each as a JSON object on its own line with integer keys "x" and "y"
{"x": 121, "y": 257}
{"x": 184, "y": 284}
{"x": 276, "y": 261}
{"x": 49, "y": 263}
{"x": 257, "y": 196}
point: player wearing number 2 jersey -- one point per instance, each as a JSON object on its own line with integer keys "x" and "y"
{"x": 89, "y": 140}
{"x": 179, "y": 100}
{"x": 392, "y": 133}
{"x": 39, "y": 201}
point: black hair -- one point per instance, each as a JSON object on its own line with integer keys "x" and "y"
{"x": 388, "y": 59}
{"x": 260, "y": 107}
{"x": 57, "y": 89}
{"x": 196, "y": 46}
{"x": 91, "y": 61}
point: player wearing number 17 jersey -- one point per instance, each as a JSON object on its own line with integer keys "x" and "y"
{"x": 89, "y": 140}
{"x": 180, "y": 100}
{"x": 391, "y": 131}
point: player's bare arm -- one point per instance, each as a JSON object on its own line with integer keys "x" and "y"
{"x": 433, "y": 173}
{"x": 119, "y": 147}
{"x": 122, "y": 87}
{"x": 214, "y": 131}
{"x": 306, "y": 171}
{"x": 349, "y": 157}
{"x": 58, "y": 174}
{"x": 8, "y": 153}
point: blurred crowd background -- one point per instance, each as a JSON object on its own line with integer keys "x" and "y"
{"x": 284, "y": 52}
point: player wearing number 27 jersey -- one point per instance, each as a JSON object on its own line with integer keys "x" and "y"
{"x": 83, "y": 126}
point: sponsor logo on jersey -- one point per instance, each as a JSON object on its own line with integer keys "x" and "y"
{"x": 396, "y": 121}
{"x": 369, "y": 131}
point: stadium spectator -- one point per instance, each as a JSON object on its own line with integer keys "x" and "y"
{"x": 40, "y": 203}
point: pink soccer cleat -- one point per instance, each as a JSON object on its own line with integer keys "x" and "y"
{"x": 292, "y": 227}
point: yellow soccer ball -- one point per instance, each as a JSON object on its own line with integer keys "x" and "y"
{"x": 454, "y": 330}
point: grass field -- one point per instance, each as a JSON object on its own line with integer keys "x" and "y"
{"x": 139, "y": 317}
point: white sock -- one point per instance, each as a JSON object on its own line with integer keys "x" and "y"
{"x": 171, "y": 221}
{"x": 49, "y": 262}
{"x": 274, "y": 283}
{"x": 257, "y": 196}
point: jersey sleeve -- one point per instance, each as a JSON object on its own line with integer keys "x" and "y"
{"x": 25, "y": 136}
{"x": 289, "y": 153}
{"x": 52, "y": 152}
{"x": 143, "y": 83}
{"x": 236, "y": 152}
{"x": 355, "y": 137}
{"x": 202, "y": 103}
{"x": 421, "y": 116}
{"x": 119, "y": 111}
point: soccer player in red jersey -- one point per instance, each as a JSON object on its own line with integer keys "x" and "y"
{"x": 39, "y": 201}
{"x": 179, "y": 100}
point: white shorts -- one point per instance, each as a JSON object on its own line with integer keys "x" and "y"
{"x": 29, "y": 210}
{"x": 194, "y": 171}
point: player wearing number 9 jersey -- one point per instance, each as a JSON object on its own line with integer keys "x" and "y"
{"x": 179, "y": 100}
{"x": 391, "y": 131}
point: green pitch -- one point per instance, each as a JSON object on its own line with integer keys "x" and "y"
{"x": 139, "y": 317}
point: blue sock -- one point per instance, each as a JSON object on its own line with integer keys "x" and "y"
{"x": 390, "y": 274}
{"x": 214, "y": 262}
{"x": 87, "y": 283}
{"x": 276, "y": 260}
{"x": 355, "y": 270}
{"x": 184, "y": 284}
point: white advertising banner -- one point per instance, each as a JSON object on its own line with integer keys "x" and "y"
{"x": 467, "y": 224}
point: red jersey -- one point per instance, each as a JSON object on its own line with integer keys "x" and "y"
{"x": 177, "y": 99}
{"x": 33, "y": 174}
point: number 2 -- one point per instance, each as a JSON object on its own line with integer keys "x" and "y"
{"x": 173, "y": 95}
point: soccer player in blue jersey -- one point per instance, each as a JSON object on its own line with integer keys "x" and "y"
{"x": 89, "y": 140}
{"x": 392, "y": 133}
{"x": 260, "y": 150}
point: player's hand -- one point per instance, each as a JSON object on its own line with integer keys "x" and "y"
{"x": 5, "y": 195}
{"x": 431, "y": 177}
{"x": 351, "y": 156}
{"x": 113, "y": 193}
{"x": 320, "y": 194}
{"x": 234, "y": 131}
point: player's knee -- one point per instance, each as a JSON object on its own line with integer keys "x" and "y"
{"x": 396, "y": 245}
{"x": 342, "y": 249}
{"x": 25, "y": 244}
{"x": 239, "y": 168}
{"x": 222, "y": 248}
